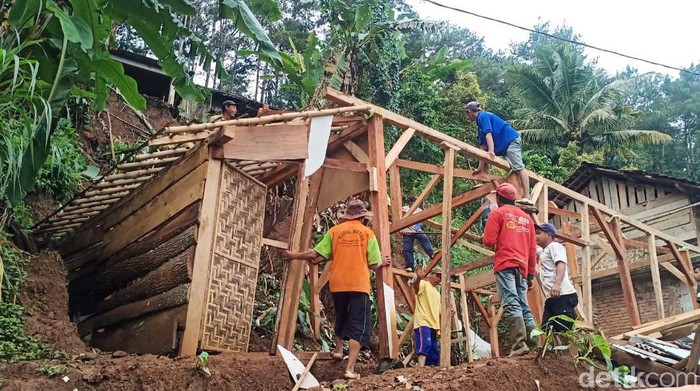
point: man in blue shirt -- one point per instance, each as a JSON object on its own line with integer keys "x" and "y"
{"x": 498, "y": 138}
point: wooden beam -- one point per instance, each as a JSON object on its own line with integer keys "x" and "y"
{"x": 395, "y": 195}
{"x": 655, "y": 276}
{"x": 586, "y": 286}
{"x": 686, "y": 266}
{"x": 356, "y": 151}
{"x": 293, "y": 276}
{"x": 388, "y": 338}
{"x": 408, "y": 293}
{"x": 423, "y": 130}
{"x": 694, "y": 353}
{"x": 465, "y": 320}
{"x": 617, "y": 247}
{"x": 435, "y": 210}
{"x": 665, "y": 324}
{"x": 456, "y": 236}
{"x": 435, "y": 169}
{"x": 202, "y": 259}
{"x": 393, "y": 154}
{"x": 275, "y": 243}
{"x": 446, "y": 294}
{"x": 423, "y": 195}
{"x": 346, "y": 165}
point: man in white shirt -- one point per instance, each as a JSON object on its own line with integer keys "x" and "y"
{"x": 554, "y": 277}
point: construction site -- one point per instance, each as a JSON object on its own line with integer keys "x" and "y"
{"x": 162, "y": 259}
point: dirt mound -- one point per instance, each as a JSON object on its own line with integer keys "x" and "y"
{"x": 554, "y": 373}
{"x": 45, "y": 300}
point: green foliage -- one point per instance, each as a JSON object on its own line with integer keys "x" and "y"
{"x": 53, "y": 370}
{"x": 587, "y": 344}
{"x": 15, "y": 346}
{"x": 203, "y": 363}
{"x": 13, "y": 269}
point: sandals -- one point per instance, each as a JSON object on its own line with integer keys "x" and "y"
{"x": 351, "y": 375}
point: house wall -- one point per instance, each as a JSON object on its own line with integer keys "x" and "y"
{"x": 610, "y": 313}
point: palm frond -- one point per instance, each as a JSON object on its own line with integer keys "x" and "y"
{"x": 542, "y": 137}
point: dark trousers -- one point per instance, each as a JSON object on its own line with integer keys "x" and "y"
{"x": 555, "y": 306}
{"x": 408, "y": 247}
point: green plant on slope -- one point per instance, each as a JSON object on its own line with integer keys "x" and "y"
{"x": 15, "y": 345}
{"x": 13, "y": 265}
{"x": 585, "y": 345}
{"x": 53, "y": 370}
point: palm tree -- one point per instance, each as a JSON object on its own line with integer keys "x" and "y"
{"x": 567, "y": 101}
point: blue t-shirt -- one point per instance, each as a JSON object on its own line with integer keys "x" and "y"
{"x": 503, "y": 134}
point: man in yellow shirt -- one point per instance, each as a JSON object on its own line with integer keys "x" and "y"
{"x": 355, "y": 251}
{"x": 426, "y": 320}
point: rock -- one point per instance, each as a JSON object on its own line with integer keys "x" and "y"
{"x": 87, "y": 356}
{"x": 119, "y": 354}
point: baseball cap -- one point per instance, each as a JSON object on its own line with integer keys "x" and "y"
{"x": 472, "y": 106}
{"x": 506, "y": 190}
{"x": 549, "y": 228}
{"x": 228, "y": 103}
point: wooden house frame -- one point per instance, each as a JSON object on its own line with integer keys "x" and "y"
{"x": 357, "y": 160}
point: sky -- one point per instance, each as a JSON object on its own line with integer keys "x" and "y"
{"x": 666, "y": 32}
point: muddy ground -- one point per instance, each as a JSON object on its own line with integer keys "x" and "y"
{"x": 83, "y": 368}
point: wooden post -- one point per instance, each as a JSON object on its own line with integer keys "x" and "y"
{"x": 495, "y": 317}
{"x": 286, "y": 323}
{"x": 694, "y": 353}
{"x": 446, "y": 292}
{"x": 465, "y": 319}
{"x": 543, "y": 205}
{"x": 386, "y": 310}
{"x": 310, "y": 212}
{"x": 655, "y": 276}
{"x": 586, "y": 264}
{"x": 202, "y": 259}
{"x": 623, "y": 267}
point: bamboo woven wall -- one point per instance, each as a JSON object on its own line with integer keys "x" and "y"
{"x": 234, "y": 262}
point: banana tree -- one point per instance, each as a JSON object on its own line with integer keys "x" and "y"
{"x": 69, "y": 39}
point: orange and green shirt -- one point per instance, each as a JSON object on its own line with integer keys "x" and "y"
{"x": 353, "y": 248}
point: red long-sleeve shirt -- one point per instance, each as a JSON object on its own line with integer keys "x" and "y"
{"x": 512, "y": 232}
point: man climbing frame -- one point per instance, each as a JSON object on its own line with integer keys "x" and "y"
{"x": 512, "y": 232}
{"x": 498, "y": 138}
{"x": 412, "y": 233}
{"x": 561, "y": 297}
{"x": 354, "y": 250}
{"x": 426, "y": 319}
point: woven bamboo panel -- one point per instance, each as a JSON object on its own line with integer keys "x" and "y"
{"x": 234, "y": 263}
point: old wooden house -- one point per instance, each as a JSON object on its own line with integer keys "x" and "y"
{"x": 671, "y": 205}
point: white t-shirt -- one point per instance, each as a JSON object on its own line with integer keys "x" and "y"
{"x": 549, "y": 257}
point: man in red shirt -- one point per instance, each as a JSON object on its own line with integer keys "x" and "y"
{"x": 512, "y": 232}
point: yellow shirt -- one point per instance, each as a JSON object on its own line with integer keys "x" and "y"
{"x": 427, "y": 306}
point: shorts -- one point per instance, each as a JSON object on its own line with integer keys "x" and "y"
{"x": 514, "y": 155}
{"x": 353, "y": 319}
{"x": 562, "y": 305}
{"x": 427, "y": 344}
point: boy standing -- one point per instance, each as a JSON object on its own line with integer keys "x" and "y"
{"x": 426, "y": 320}
{"x": 561, "y": 297}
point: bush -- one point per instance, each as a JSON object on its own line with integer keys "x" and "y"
{"x": 15, "y": 346}
{"x": 13, "y": 268}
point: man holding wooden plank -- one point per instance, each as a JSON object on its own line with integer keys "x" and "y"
{"x": 354, "y": 250}
{"x": 512, "y": 232}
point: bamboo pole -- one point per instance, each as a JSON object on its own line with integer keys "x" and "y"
{"x": 131, "y": 174}
{"x": 105, "y": 197}
{"x": 264, "y": 120}
{"x": 306, "y": 372}
{"x": 159, "y": 154}
{"x": 118, "y": 189}
{"x": 120, "y": 182}
{"x": 146, "y": 163}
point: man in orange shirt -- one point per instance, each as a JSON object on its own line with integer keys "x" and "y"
{"x": 512, "y": 232}
{"x": 354, "y": 251}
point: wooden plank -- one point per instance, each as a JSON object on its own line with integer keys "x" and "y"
{"x": 345, "y": 165}
{"x": 356, "y": 151}
{"x": 165, "y": 300}
{"x": 435, "y": 210}
{"x": 656, "y": 277}
{"x": 673, "y": 270}
{"x": 694, "y": 353}
{"x": 309, "y": 217}
{"x": 338, "y": 185}
{"x": 268, "y": 142}
{"x": 202, "y": 259}
{"x": 480, "y": 280}
{"x": 275, "y": 243}
{"x": 400, "y": 144}
{"x": 408, "y": 293}
{"x": 293, "y": 277}
{"x": 423, "y": 195}
{"x": 686, "y": 267}
{"x": 388, "y": 338}
{"x": 395, "y": 194}
{"x": 465, "y": 320}
{"x": 586, "y": 286}
{"x": 406, "y": 333}
{"x": 622, "y": 195}
{"x": 156, "y": 211}
{"x": 624, "y": 271}
{"x": 457, "y": 172}
{"x": 446, "y": 294}
{"x": 665, "y": 324}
